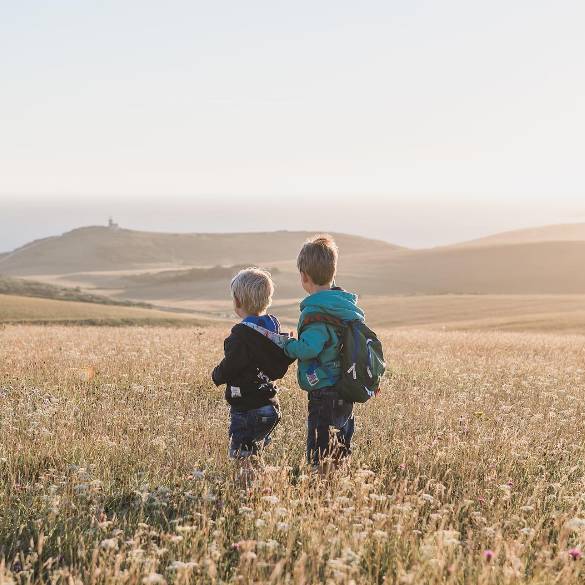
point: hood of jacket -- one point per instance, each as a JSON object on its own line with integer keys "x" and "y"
{"x": 336, "y": 302}
{"x": 263, "y": 351}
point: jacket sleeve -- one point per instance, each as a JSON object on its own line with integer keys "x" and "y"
{"x": 278, "y": 366}
{"x": 310, "y": 343}
{"x": 235, "y": 361}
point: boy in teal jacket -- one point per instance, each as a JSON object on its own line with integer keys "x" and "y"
{"x": 331, "y": 422}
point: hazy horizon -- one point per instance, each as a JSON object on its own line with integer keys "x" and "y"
{"x": 410, "y": 222}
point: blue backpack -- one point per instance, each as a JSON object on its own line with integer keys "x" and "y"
{"x": 362, "y": 357}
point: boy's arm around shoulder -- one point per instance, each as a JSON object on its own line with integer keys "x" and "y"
{"x": 234, "y": 361}
{"x": 310, "y": 343}
{"x": 278, "y": 365}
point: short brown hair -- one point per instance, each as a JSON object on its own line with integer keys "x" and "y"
{"x": 318, "y": 259}
{"x": 253, "y": 288}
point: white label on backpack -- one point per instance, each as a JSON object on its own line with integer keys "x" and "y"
{"x": 353, "y": 371}
{"x": 312, "y": 378}
{"x": 236, "y": 392}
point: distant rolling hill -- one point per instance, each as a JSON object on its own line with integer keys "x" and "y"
{"x": 91, "y": 249}
{"x": 538, "y": 268}
{"x": 572, "y": 232}
{"x": 21, "y": 309}
{"x": 23, "y": 300}
{"x": 168, "y": 285}
{"x": 192, "y": 271}
{"x": 31, "y": 288}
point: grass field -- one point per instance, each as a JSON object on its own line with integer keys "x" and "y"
{"x": 546, "y": 313}
{"x": 30, "y": 288}
{"x": 469, "y": 468}
{"x": 15, "y": 308}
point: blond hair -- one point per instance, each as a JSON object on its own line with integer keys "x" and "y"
{"x": 252, "y": 289}
{"x": 318, "y": 259}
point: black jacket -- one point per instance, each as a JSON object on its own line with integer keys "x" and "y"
{"x": 251, "y": 364}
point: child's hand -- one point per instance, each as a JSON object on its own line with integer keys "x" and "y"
{"x": 377, "y": 392}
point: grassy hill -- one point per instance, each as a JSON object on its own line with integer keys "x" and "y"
{"x": 189, "y": 275}
{"x": 549, "y": 233}
{"x": 503, "y": 282}
{"x": 181, "y": 266}
{"x": 451, "y": 312}
{"x": 21, "y": 309}
{"x": 29, "y": 301}
{"x": 32, "y": 288}
{"x": 537, "y": 268}
{"x": 102, "y": 249}
{"x": 168, "y": 286}
{"x": 549, "y": 313}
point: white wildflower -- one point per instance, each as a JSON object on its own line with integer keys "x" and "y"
{"x": 154, "y": 579}
{"x": 248, "y": 556}
{"x": 182, "y": 566}
{"x": 186, "y": 529}
{"x": 575, "y": 524}
{"x": 378, "y": 497}
{"x": 267, "y": 545}
{"x": 448, "y": 537}
{"x": 109, "y": 544}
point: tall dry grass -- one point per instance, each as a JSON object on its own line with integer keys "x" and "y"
{"x": 468, "y": 469}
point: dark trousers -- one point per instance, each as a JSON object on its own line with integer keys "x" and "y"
{"x": 330, "y": 426}
{"x": 250, "y": 430}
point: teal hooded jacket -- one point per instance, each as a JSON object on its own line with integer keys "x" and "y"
{"x": 317, "y": 347}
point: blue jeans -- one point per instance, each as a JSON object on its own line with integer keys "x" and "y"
{"x": 250, "y": 430}
{"x": 330, "y": 426}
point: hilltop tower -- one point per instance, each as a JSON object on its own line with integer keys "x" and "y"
{"x": 112, "y": 224}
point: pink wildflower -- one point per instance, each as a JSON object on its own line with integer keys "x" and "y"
{"x": 575, "y": 553}
{"x": 488, "y": 555}
{"x": 244, "y": 545}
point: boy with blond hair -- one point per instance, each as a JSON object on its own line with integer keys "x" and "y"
{"x": 254, "y": 359}
{"x": 330, "y": 423}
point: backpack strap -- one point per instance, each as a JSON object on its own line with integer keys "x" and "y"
{"x": 321, "y": 318}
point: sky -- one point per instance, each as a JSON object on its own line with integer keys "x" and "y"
{"x": 419, "y": 122}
